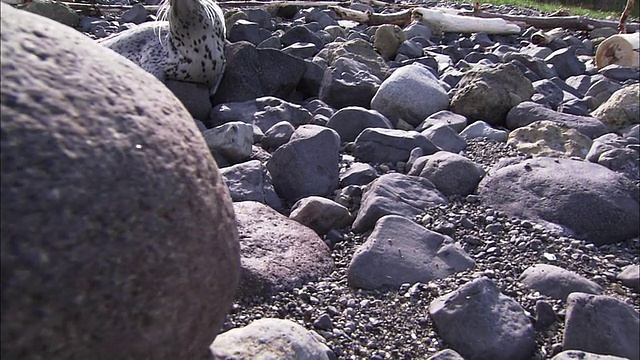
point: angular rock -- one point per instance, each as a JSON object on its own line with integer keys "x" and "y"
{"x": 583, "y": 355}
{"x": 445, "y": 138}
{"x": 270, "y": 338}
{"x": 603, "y": 325}
{"x": 593, "y": 201}
{"x": 401, "y": 96}
{"x": 350, "y": 121}
{"x": 232, "y": 140}
{"x": 277, "y": 253}
{"x": 250, "y": 181}
{"x": 320, "y": 214}
{"x": 444, "y": 117}
{"x": 557, "y": 282}
{"x": 630, "y": 276}
{"x": 481, "y": 129}
{"x": 604, "y": 143}
{"x": 348, "y": 83}
{"x": 400, "y": 251}
{"x": 252, "y": 73}
{"x": 479, "y": 322}
{"x": 112, "y": 207}
{"x": 600, "y": 91}
{"x": 621, "y": 110}
{"x": 527, "y": 112}
{"x": 387, "y": 40}
{"x": 551, "y": 93}
{"x": 307, "y": 164}
{"x": 358, "y": 174}
{"x": 622, "y": 160}
{"x": 378, "y": 145}
{"x": 547, "y": 138}
{"x": 300, "y": 34}
{"x": 361, "y": 51}
{"x": 277, "y": 135}
{"x": 566, "y": 63}
{"x": 244, "y": 30}
{"x": 416, "y": 29}
{"x": 620, "y": 73}
{"x": 452, "y": 174}
{"x": 489, "y": 93}
{"x": 396, "y": 194}
{"x": 262, "y": 112}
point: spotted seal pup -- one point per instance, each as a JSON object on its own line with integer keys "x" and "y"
{"x": 186, "y": 43}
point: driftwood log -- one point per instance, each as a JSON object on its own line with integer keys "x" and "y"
{"x": 621, "y": 49}
{"x": 402, "y": 17}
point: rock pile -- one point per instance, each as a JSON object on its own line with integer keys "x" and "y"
{"x": 406, "y": 194}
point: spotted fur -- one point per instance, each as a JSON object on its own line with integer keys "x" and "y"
{"x": 187, "y": 43}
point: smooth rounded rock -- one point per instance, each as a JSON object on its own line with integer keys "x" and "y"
{"x": 593, "y": 201}
{"x": 402, "y": 95}
{"x": 451, "y": 173}
{"x": 118, "y": 236}
{"x": 270, "y": 338}
{"x": 557, "y": 282}
{"x": 621, "y": 110}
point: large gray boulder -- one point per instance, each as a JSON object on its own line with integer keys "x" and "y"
{"x": 396, "y": 194}
{"x": 528, "y": 112}
{"x": 603, "y": 325}
{"x": 591, "y": 200}
{"x": 480, "y": 323}
{"x": 270, "y": 338}
{"x": 489, "y": 93}
{"x": 277, "y": 253}
{"x": 308, "y": 164}
{"x": 118, "y": 235}
{"x": 402, "y": 95}
{"x": 400, "y": 251}
{"x": 252, "y": 73}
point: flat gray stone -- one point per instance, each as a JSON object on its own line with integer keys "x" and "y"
{"x": 479, "y": 323}
{"x": 400, "y": 251}
{"x": 557, "y": 282}
{"x": 396, "y": 194}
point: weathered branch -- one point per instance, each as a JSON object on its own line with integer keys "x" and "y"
{"x": 400, "y": 18}
{"x": 566, "y": 22}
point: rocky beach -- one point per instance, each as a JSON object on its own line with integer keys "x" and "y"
{"x": 403, "y": 192}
